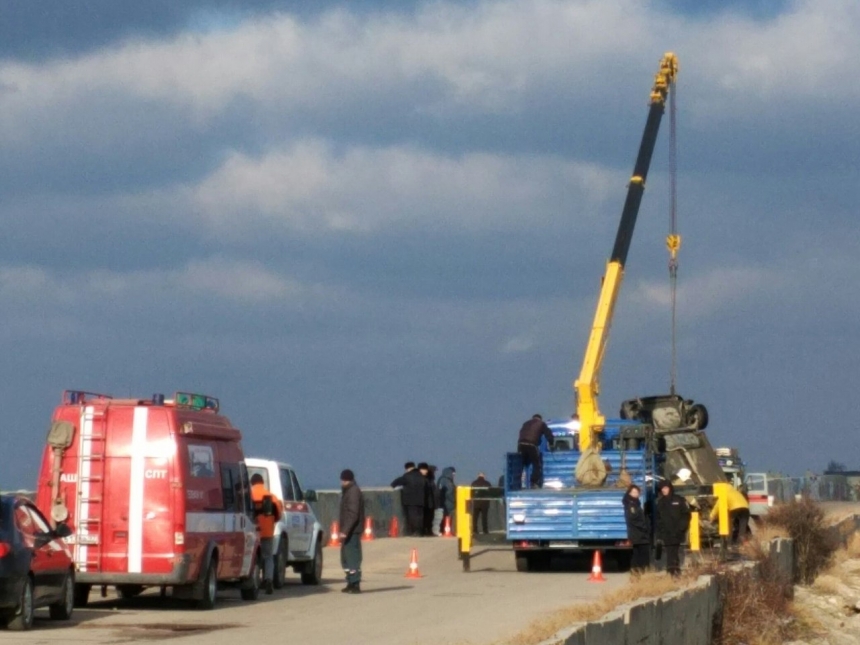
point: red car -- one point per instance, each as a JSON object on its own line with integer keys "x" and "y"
{"x": 36, "y": 568}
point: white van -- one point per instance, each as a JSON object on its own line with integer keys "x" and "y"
{"x": 298, "y": 535}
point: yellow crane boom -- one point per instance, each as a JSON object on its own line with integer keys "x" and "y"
{"x": 587, "y": 386}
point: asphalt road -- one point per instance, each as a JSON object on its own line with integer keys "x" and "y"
{"x": 445, "y": 606}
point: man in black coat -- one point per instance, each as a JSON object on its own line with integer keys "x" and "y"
{"x": 480, "y": 503}
{"x": 527, "y": 445}
{"x": 351, "y": 521}
{"x": 673, "y": 520}
{"x": 413, "y": 496}
{"x": 638, "y": 529}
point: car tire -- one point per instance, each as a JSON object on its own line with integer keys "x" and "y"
{"x": 127, "y": 592}
{"x": 209, "y": 586}
{"x": 63, "y": 608}
{"x": 280, "y": 575}
{"x": 23, "y": 618}
{"x": 82, "y": 594}
{"x": 314, "y": 573}
{"x": 250, "y": 588}
{"x": 697, "y": 416}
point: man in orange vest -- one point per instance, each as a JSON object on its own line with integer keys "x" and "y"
{"x": 268, "y": 509}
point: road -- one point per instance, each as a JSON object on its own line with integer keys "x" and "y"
{"x": 445, "y": 606}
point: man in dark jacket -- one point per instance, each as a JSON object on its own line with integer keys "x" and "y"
{"x": 638, "y": 529}
{"x": 527, "y": 445}
{"x": 673, "y": 520}
{"x": 351, "y": 523}
{"x": 447, "y": 496}
{"x": 430, "y": 498}
{"x": 480, "y": 504}
{"x": 413, "y": 493}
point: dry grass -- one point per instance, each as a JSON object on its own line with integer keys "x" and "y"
{"x": 647, "y": 585}
{"x": 806, "y": 524}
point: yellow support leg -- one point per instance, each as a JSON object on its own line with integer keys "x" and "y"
{"x": 695, "y": 538}
{"x": 464, "y": 524}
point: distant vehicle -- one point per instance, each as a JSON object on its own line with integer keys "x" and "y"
{"x": 764, "y": 490}
{"x": 299, "y": 536}
{"x": 157, "y": 493}
{"x": 36, "y": 568}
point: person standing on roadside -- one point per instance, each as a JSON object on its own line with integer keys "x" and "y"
{"x": 268, "y": 510}
{"x": 480, "y": 505}
{"x": 351, "y": 520}
{"x": 638, "y": 530}
{"x": 429, "y": 499}
{"x": 412, "y": 486}
{"x": 447, "y": 495}
{"x": 673, "y": 520}
{"x": 436, "y": 522}
{"x": 527, "y": 445}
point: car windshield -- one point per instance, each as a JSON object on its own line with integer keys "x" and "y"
{"x": 755, "y": 482}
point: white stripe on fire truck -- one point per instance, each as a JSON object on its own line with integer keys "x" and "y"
{"x": 135, "y": 488}
{"x": 84, "y": 451}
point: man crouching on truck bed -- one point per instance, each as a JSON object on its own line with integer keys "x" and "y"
{"x": 268, "y": 509}
{"x": 527, "y": 446}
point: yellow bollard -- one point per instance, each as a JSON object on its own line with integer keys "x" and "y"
{"x": 721, "y": 490}
{"x": 464, "y": 523}
{"x": 695, "y": 539}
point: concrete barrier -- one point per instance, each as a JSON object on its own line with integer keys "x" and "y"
{"x": 381, "y": 504}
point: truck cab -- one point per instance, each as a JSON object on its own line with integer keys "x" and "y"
{"x": 564, "y": 516}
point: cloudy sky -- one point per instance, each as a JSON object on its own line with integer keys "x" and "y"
{"x": 376, "y": 229}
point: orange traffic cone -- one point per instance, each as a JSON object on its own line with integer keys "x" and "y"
{"x": 412, "y": 571}
{"x": 446, "y": 531}
{"x": 394, "y": 528}
{"x": 334, "y": 540}
{"x": 367, "y": 535}
{"x": 596, "y": 569}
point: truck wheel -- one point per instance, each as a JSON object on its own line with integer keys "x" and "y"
{"x": 523, "y": 562}
{"x": 313, "y": 574}
{"x": 63, "y": 608}
{"x": 82, "y": 594}
{"x": 280, "y": 576}
{"x": 250, "y": 588}
{"x": 23, "y": 618}
{"x": 210, "y": 586}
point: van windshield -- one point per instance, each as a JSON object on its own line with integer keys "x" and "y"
{"x": 755, "y": 483}
{"x": 262, "y": 472}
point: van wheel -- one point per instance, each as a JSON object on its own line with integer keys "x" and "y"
{"x": 250, "y": 589}
{"x": 313, "y": 574}
{"x": 280, "y": 575}
{"x": 127, "y": 592}
{"x": 63, "y": 608}
{"x": 82, "y": 594}
{"x": 23, "y": 618}
{"x": 210, "y": 586}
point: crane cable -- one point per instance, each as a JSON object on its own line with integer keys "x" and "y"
{"x": 673, "y": 240}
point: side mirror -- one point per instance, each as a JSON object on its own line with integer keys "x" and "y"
{"x": 310, "y": 496}
{"x": 42, "y": 539}
{"x": 63, "y": 530}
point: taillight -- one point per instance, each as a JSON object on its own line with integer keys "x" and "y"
{"x": 5, "y": 549}
{"x": 179, "y": 538}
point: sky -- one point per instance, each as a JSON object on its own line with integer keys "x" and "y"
{"x": 376, "y": 230}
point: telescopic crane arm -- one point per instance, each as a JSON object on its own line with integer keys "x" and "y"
{"x": 587, "y": 386}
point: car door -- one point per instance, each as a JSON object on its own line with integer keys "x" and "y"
{"x": 59, "y": 555}
{"x": 304, "y": 522}
{"x": 41, "y": 559}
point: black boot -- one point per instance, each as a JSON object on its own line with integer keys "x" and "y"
{"x": 269, "y": 587}
{"x": 355, "y": 588}
{"x": 347, "y": 588}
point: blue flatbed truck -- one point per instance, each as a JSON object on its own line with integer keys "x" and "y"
{"x": 565, "y": 517}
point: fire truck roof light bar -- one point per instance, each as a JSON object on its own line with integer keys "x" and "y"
{"x": 196, "y": 401}
{"x": 77, "y": 397}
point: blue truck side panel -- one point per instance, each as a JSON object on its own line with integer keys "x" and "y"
{"x": 563, "y": 513}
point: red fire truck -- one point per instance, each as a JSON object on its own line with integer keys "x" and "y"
{"x": 156, "y": 493}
